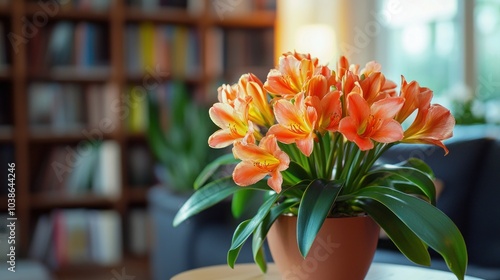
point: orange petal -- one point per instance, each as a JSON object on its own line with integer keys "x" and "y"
{"x": 358, "y": 108}
{"x": 275, "y": 181}
{"x": 283, "y": 134}
{"x": 221, "y": 114}
{"x": 390, "y": 131}
{"x": 306, "y": 145}
{"x": 387, "y": 107}
{"x": 220, "y": 139}
{"x": 245, "y": 174}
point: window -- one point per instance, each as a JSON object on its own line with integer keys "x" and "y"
{"x": 427, "y": 42}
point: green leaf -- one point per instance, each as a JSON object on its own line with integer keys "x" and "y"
{"x": 259, "y": 236}
{"x": 211, "y": 168}
{"x": 406, "y": 241}
{"x": 240, "y": 201}
{"x": 246, "y": 228}
{"x": 315, "y": 205}
{"x": 260, "y": 259}
{"x": 205, "y": 197}
{"x": 431, "y": 225}
{"x": 410, "y": 174}
{"x": 233, "y": 253}
{"x": 420, "y": 165}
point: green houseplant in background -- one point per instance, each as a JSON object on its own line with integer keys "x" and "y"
{"x": 177, "y": 133}
{"x": 310, "y": 137}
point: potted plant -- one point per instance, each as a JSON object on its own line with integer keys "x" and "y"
{"x": 309, "y": 137}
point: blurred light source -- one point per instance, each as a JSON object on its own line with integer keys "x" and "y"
{"x": 416, "y": 38}
{"x": 487, "y": 19}
{"x": 307, "y": 27}
{"x": 421, "y": 11}
{"x": 317, "y": 39}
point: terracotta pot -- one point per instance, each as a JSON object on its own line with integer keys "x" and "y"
{"x": 343, "y": 249}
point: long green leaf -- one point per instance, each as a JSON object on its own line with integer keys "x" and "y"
{"x": 406, "y": 241}
{"x": 260, "y": 233}
{"x": 420, "y": 165}
{"x": 431, "y": 225}
{"x": 315, "y": 205}
{"x": 212, "y": 167}
{"x": 260, "y": 259}
{"x": 205, "y": 197}
{"x": 245, "y": 229}
{"x": 410, "y": 174}
{"x": 233, "y": 253}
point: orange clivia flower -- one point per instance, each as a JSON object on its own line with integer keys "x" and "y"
{"x": 416, "y": 97}
{"x": 234, "y": 124}
{"x": 291, "y": 76}
{"x": 329, "y": 110}
{"x": 228, "y": 94}
{"x": 260, "y": 161}
{"x": 260, "y": 110}
{"x": 296, "y": 123}
{"x": 431, "y": 126}
{"x": 365, "y": 123}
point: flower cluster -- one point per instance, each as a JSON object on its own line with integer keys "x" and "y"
{"x": 333, "y": 123}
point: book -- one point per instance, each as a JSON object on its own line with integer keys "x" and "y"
{"x": 41, "y": 241}
{"x": 80, "y": 178}
{"x": 76, "y": 231}
{"x": 180, "y": 43}
{"x": 137, "y": 120}
{"x": 214, "y": 52}
{"x": 193, "y": 56}
{"x": 107, "y": 177}
{"x": 105, "y": 237}
{"x": 138, "y": 231}
{"x": 140, "y": 165}
{"x": 58, "y": 51}
{"x": 132, "y": 59}
{"x": 146, "y": 45}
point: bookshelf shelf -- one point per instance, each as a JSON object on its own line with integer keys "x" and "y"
{"x": 69, "y": 14}
{"x": 160, "y": 16}
{"x": 47, "y": 201}
{"x": 73, "y": 75}
{"x": 137, "y": 194}
{"x": 255, "y": 19}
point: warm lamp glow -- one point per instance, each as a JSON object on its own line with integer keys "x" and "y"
{"x": 307, "y": 27}
{"x": 318, "y": 39}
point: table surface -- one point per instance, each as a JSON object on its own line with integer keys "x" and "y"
{"x": 378, "y": 271}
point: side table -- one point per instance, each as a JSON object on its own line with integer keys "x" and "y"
{"x": 378, "y": 271}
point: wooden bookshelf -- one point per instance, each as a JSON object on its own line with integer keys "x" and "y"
{"x": 31, "y": 146}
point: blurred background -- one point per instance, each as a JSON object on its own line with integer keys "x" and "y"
{"x": 104, "y": 108}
